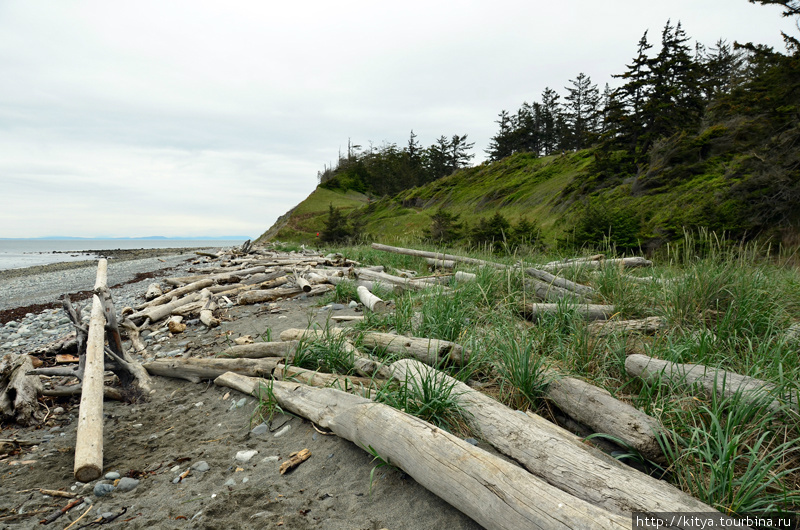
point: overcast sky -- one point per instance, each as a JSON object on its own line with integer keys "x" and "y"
{"x": 209, "y": 118}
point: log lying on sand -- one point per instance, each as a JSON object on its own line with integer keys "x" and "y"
{"x": 179, "y": 292}
{"x": 493, "y": 492}
{"x": 372, "y": 302}
{"x": 644, "y": 325}
{"x": 156, "y": 313}
{"x": 258, "y": 350}
{"x": 195, "y": 369}
{"x": 598, "y": 409}
{"x": 270, "y": 295}
{"x": 588, "y": 311}
{"x": 750, "y": 389}
{"x": 397, "y": 282}
{"x": 89, "y": 437}
{"x": 348, "y": 383}
{"x": 556, "y": 455}
{"x": 19, "y": 392}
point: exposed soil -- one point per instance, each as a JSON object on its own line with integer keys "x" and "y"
{"x": 185, "y": 423}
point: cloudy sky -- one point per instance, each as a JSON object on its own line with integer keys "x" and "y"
{"x": 210, "y": 118}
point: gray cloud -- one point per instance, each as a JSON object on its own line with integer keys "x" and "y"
{"x": 210, "y": 118}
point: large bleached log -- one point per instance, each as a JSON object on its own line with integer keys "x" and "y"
{"x": 495, "y": 493}
{"x": 438, "y": 255}
{"x": 89, "y": 438}
{"x": 556, "y": 455}
{"x": 371, "y": 285}
{"x": 225, "y": 277}
{"x": 549, "y": 292}
{"x": 258, "y": 350}
{"x": 599, "y": 264}
{"x": 750, "y": 389}
{"x": 397, "y": 282}
{"x": 178, "y": 293}
{"x": 429, "y": 351}
{"x": 156, "y": 313}
{"x": 266, "y": 295}
{"x": 583, "y": 290}
{"x": 598, "y": 409}
{"x": 441, "y": 263}
{"x": 19, "y": 392}
{"x": 348, "y": 383}
{"x": 372, "y": 302}
{"x": 363, "y": 364}
{"x": 153, "y": 291}
{"x": 195, "y": 369}
{"x": 644, "y": 325}
{"x": 588, "y": 311}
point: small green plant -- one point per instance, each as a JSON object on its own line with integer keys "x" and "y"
{"x": 428, "y": 396}
{"x": 382, "y": 462}
{"x": 329, "y": 352}
{"x": 267, "y": 405}
{"x": 522, "y": 368}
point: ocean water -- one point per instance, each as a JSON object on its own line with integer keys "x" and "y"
{"x": 19, "y": 253}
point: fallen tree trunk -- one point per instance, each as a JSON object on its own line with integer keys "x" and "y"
{"x": 372, "y": 302}
{"x": 396, "y": 281}
{"x": 645, "y": 325}
{"x": 750, "y": 389}
{"x": 156, "y": 313}
{"x": 363, "y": 364}
{"x": 195, "y": 369}
{"x": 556, "y": 455}
{"x": 259, "y": 350}
{"x": 347, "y": 383}
{"x": 588, "y": 311}
{"x": 552, "y": 293}
{"x": 438, "y": 255}
{"x": 429, "y": 351}
{"x": 598, "y": 409}
{"x": 563, "y": 283}
{"x": 178, "y": 293}
{"x": 89, "y": 438}
{"x": 19, "y": 392}
{"x": 599, "y": 264}
{"x": 441, "y": 263}
{"x": 266, "y": 295}
{"x": 493, "y": 492}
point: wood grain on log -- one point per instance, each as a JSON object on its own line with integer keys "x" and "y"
{"x": 259, "y": 350}
{"x": 495, "y": 493}
{"x": 195, "y": 369}
{"x": 644, "y": 325}
{"x": 588, "y": 311}
{"x": 556, "y": 455}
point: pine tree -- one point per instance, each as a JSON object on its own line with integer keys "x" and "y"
{"x": 581, "y": 111}
{"x": 551, "y": 121}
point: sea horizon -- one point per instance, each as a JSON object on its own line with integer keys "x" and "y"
{"x": 17, "y": 253}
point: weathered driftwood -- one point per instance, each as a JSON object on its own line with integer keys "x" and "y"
{"x": 750, "y": 389}
{"x": 347, "y": 383}
{"x": 295, "y": 459}
{"x": 19, "y": 391}
{"x": 66, "y": 344}
{"x": 441, "y": 263}
{"x": 372, "y": 302}
{"x": 588, "y": 311}
{"x": 89, "y": 438}
{"x": 429, "y": 351}
{"x": 552, "y": 293}
{"x": 207, "y": 312}
{"x": 369, "y": 284}
{"x": 109, "y": 392}
{"x": 302, "y": 283}
{"x": 347, "y": 318}
{"x": 462, "y": 276}
{"x": 259, "y": 350}
{"x": 195, "y": 369}
{"x": 599, "y": 264}
{"x": 156, "y": 313}
{"x": 153, "y": 291}
{"x": 397, "y": 282}
{"x": 178, "y": 293}
{"x": 644, "y": 325}
{"x": 495, "y": 493}
{"x": 598, "y": 409}
{"x": 556, "y": 455}
{"x": 363, "y": 364}
{"x": 595, "y": 257}
{"x": 583, "y": 290}
{"x": 266, "y": 295}
{"x": 437, "y": 255}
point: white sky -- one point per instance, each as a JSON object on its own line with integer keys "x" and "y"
{"x": 209, "y": 118}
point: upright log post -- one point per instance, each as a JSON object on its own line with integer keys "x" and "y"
{"x": 89, "y": 442}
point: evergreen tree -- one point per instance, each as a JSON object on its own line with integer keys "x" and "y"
{"x": 437, "y": 159}
{"x": 626, "y": 117}
{"x": 581, "y": 112}
{"x": 336, "y": 229}
{"x": 551, "y": 121}
{"x": 458, "y": 152}
{"x": 501, "y": 144}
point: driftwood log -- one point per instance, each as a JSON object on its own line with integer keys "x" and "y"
{"x": 588, "y": 311}
{"x": 429, "y": 351}
{"x": 258, "y": 350}
{"x": 546, "y": 277}
{"x": 644, "y": 325}
{"x": 598, "y": 409}
{"x": 372, "y": 302}
{"x": 598, "y": 264}
{"x": 363, "y": 364}
{"x": 19, "y": 392}
{"x": 556, "y": 455}
{"x": 552, "y": 293}
{"x": 493, "y": 492}
{"x": 196, "y": 369}
{"x": 750, "y": 389}
{"x": 178, "y": 293}
{"x": 89, "y": 438}
{"x": 438, "y": 255}
{"x": 348, "y": 383}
